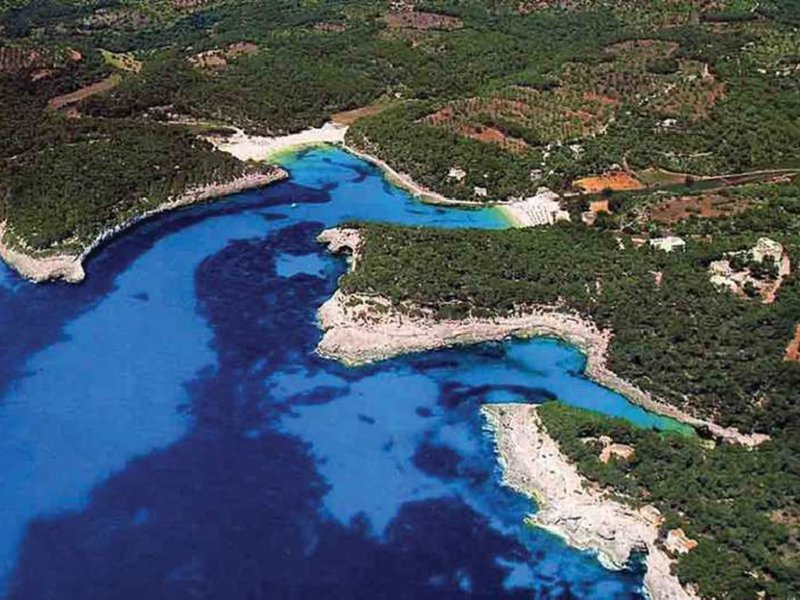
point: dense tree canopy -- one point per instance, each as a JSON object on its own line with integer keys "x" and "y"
{"x": 740, "y": 505}
{"x": 676, "y": 335}
{"x": 541, "y": 95}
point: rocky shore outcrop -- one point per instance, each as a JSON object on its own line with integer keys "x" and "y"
{"x": 69, "y": 267}
{"x": 586, "y": 517}
{"x": 360, "y": 329}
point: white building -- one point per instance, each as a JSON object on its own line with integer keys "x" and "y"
{"x": 668, "y": 244}
{"x": 542, "y": 209}
{"x": 457, "y": 173}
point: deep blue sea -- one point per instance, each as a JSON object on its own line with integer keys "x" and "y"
{"x": 166, "y": 430}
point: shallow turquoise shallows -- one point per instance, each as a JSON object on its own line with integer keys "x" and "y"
{"x": 166, "y": 430}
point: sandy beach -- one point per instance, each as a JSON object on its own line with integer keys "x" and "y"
{"x": 249, "y": 147}
{"x": 260, "y": 148}
{"x": 585, "y": 517}
{"x": 542, "y": 209}
{"x": 510, "y": 210}
{"x": 513, "y": 216}
{"x": 69, "y": 267}
{"x": 360, "y": 329}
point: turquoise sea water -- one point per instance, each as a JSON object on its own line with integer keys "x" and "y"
{"x": 166, "y": 430}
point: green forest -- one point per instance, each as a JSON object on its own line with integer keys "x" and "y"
{"x": 741, "y": 116}
{"x": 737, "y": 503}
{"x": 567, "y": 89}
{"x": 706, "y": 351}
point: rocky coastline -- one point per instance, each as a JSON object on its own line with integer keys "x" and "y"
{"x": 69, "y": 267}
{"x": 361, "y": 329}
{"x": 584, "y": 516}
{"x": 404, "y": 181}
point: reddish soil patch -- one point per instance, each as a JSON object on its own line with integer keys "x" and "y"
{"x": 598, "y": 206}
{"x": 218, "y": 58}
{"x": 442, "y": 115}
{"x": 422, "y": 20}
{"x": 707, "y": 206}
{"x": 99, "y": 87}
{"x": 326, "y": 27}
{"x": 474, "y": 106}
{"x": 491, "y": 135}
{"x": 604, "y": 100}
{"x": 348, "y": 117}
{"x": 483, "y": 134}
{"x": 18, "y": 59}
{"x": 793, "y": 349}
{"x": 617, "y": 181}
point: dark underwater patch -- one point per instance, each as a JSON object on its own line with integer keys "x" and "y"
{"x": 437, "y": 460}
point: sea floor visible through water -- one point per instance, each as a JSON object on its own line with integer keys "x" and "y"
{"x": 167, "y": 431}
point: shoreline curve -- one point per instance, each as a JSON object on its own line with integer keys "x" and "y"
{"x": 69, "y": 267}
{"x": 586, "y": 518}
{"x": 361, "y": 329}
{"x": 262, "y": 148}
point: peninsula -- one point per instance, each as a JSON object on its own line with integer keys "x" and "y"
{"x": 586, "y": 517}
{"x": 359, "y": 329}
{"x": 364, "y": 328}
{"x": 412, "y": 289}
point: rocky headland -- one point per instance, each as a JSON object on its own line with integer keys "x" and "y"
{"x": 68, "y": 266}
{"x": 360, "y": 329}
{"x": 586, "y": 517}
